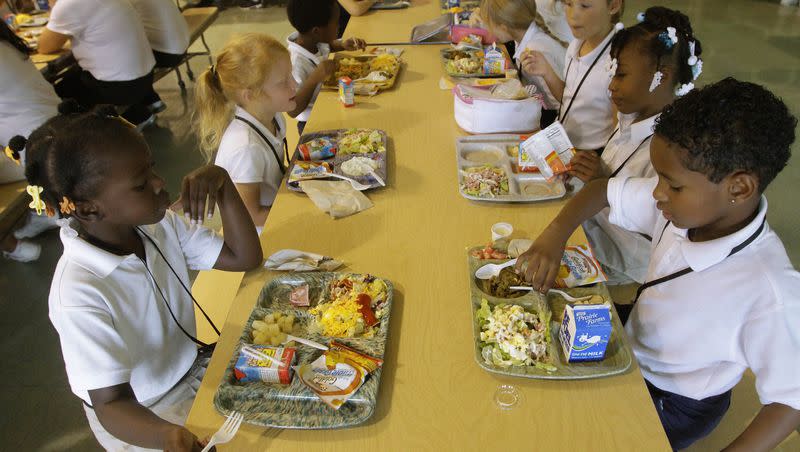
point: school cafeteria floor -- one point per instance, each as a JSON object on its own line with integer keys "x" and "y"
{"x": 757, "y": 41}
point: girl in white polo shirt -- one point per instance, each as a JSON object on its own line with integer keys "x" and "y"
{"x": 721, "y": 295}
{"x": 649, "y": 71}
{"x": 112, "y": 51}
{"x": 520, "y": 21}
{"x": 119, "y": 297}
{"x": 240, "y": 101}
{"x": 585, "y": 109}
{"x": 27, "y": 102}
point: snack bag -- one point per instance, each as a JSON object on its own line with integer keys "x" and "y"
{"x": 309, "y": 170}
{"x": 338, "y": 373}
{"x": 549, "y": 150}
{"x": 494, "y": 63}
{"x": 579, "y": 267}
{"x": 252, "y": 369}
{"x": 347, "y": 91}
{"x": 317, "y": 149}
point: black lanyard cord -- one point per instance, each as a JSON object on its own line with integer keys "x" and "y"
{"x": 688, "y": 270}
{"x": 580, "y": 84}
{"x": 194, "y": 339}
{"x": 269, "y": 143}
{"x": 635, "y": 150}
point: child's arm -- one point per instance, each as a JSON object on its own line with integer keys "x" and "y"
{"x": 208, "y": 187}
{"x": 357, "y": 7}
{"x": 534, "y": 63}
{"x": 121, "y": 415}
{"x": 348, "y": 44}
{"x": 587, "y": 165}
{"x": 539, "y": 265}
{"x": 51, "y": 42}
{"x": 251, "y": 197}
{"x": 306, "y": 91}
{"x": 771, "y": 426}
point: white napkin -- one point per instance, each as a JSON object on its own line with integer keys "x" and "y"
{"x": 339, "y": 198}
{"x": 300, "y": 261}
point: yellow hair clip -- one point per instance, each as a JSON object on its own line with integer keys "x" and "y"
{"x": 10, "y": 153}
{"x": 66, "y": 206}
{"x": 36, "y": 192}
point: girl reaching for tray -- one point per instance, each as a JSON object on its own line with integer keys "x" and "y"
{"x": 240, "y": 103}
{"x": 119, "y": 297}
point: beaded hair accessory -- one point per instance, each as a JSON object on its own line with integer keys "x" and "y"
{"x": 38, "y": 203}
{"x": 13, "y": 155}
{"x": 66, "y": 206}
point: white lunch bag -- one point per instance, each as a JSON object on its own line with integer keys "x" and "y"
{"x": 477, "y": 112}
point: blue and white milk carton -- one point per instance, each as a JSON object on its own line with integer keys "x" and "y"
{"x": 585, "y": 332}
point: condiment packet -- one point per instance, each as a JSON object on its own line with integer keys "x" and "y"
{"x": 299, "y": 296}
{"x": 339, "y": 198}
{"x": 248, "y": 368}
{"x": 550, "y": 150}
{"x": 338, "y": 373}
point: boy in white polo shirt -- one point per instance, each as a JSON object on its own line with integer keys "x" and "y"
{"x": 721, "y": 295}
{"x": 316, "y": 22}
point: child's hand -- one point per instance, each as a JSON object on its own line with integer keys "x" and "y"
{"x": 324, "y": 71}
{"x": 587, "y": 165}
{"x": 534, "y": 63}
{"x": 539, "y": 265}
{"x": 354, "y": 44}
{"x": 199, "y": 192}
{"x": 179, "y": 439}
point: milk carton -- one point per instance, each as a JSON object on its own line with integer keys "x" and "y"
{"x": 585, "y": 332}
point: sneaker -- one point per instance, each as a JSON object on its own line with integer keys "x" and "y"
{"x": 36, "y": 225}
{"x": 157, "y": 107}
{"x": 24, "y": 252}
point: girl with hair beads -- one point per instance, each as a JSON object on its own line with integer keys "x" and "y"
{"x": 119, "y": 297}
{"x": 585, "y": 111}
{"x": 240, "y": 101}
{"x": 519, "y": 21}
{"x": 649, "y": 68}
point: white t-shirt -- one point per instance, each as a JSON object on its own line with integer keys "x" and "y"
{"x": 695, "y": 335}
{"x": 248, "y": 159}
{"x": 27, "y": 102}
{"x": 624, "y": 252}
{"x": 590, "y": 120}
{"x": 554, "y": 53}
{"x": 106, "y": 40}
{"x": 303, "y": 64}
{"x": 165, "y": 27}
{"x": 113, "y": 324}
{"x": 555, "y": 18}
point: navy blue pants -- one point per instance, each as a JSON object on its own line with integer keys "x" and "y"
{"x": 685, "y": 419}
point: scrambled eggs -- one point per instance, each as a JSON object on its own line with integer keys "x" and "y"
{"x": 344, "y": 314}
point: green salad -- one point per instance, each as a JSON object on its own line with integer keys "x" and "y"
{"x": 512, "y": 336}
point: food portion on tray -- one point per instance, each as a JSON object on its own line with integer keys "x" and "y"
{"x": 476, "y": 61}
{"x": 359, "y": 154}
{"x": 311, "y": 352}
{"x": 370, "y": 71}
{"x": 510, "y": 335}
{"x": 488, "y": 170}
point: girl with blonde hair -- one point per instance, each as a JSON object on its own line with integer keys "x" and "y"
{"x": 240, "y": 103}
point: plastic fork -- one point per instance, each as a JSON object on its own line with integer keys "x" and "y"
{"x": 563, "y": 294}
{"x": 300, "y": 340}
{"x": 354, "y": 183}
{"x": 227, "y": 431}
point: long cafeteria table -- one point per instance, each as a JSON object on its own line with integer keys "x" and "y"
{"x": 433, "y": 395}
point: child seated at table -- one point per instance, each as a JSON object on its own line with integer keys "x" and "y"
{"x": 239, "y": 104}
{"x": 721, "y": 294}
{"x": 520, "y": 21}
{"x": 585, "y": 108}
{"x": 168, "y": 35}
{"x": 316, "y": 22}
{"x": 648, "y": 69}
{"x": 119, "y": 299}
{"x": 114, "y": 58}
{"x": 27, "y": 102}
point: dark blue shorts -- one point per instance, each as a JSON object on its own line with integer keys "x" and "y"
{"x": 685, "y": 419}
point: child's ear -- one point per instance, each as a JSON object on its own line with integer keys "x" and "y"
{"x": 742, "y": 186}
{"x": 614, "y": 6}
{"x": 87, "y": 211}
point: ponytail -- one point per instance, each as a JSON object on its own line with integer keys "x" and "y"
{"x": 213, "y": 112}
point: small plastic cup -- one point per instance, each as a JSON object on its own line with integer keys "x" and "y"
{"x": 501, "y": 231}
{"x": 507, "y": 397}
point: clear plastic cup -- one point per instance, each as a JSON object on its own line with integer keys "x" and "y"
{"x": 507, "y": 397}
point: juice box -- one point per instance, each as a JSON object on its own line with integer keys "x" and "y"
{"x": 585, "y": 332}
{"x": 252, "y": 369}
{"x": 550, "y": 150}
{"x": 347, "y": 91}
{"x": 494, "y": 63}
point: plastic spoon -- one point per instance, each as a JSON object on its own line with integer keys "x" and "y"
{"x": 489, "y": 270}
{"x": 377, "y": 178}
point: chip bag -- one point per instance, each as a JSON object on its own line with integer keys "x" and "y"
{"x": 549, "y": 150}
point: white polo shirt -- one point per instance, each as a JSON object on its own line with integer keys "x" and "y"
{"x": 624, "y": 252}
{"x": 695, "y": 335}
{"x": 554, "y": 53}
{"x": 113, "y": 324}
{"x": 303, "y": 64}
{"x": 248, "y": 158}
{"x": 165, "y": 27}
{"x": 106, "y": 40}
{"x": 555, "y": 18}
{"x": 27, "y": 102}
{"x": 590, "y": 121}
